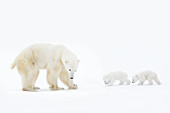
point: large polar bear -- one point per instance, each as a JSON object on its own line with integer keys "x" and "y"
{"x": 110, "y": 78}
{"x": 146, "y": 75}
{"x": 59, "y": 61}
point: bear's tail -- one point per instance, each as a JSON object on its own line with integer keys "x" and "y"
{"x": 13, "y": 65}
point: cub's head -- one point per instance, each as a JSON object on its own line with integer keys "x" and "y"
{"x": 106, "y": 79}
{"x": 70, "y": 63}
{"x": 134, "y": 78}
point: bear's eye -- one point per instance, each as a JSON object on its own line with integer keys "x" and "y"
{"x": 75, "y": 70}
{"x": 69, "y": 69}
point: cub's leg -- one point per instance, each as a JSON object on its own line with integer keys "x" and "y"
{"x": 64, "y": 77}
{"x": 29, "y": 74}
{"x": 111, "y": 83}
{"x": 150, "y": 81}
{"x": 52, "y": 77}
{"x": 121, "y": 82}
{"x": 127, "y": 82}
{"x": 141, "y": 82}
{"x": 157, "y": 81}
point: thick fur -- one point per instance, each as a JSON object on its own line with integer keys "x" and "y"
{"x": 57, "y": 59}
{"x": 110, "y": 78}
{"x": 146, "y": 75}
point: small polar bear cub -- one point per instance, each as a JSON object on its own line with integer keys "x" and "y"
{"x": 146, "y": 75}
{"x": 110, "y": 78}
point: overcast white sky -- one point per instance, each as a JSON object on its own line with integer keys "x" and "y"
{"x": 106, "y": 35}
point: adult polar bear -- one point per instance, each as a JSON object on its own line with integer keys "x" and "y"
{"x": 59, "y": 61}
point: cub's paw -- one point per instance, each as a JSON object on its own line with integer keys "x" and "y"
{"x": 110, "y": 85}
{"x": 36, "y": 88}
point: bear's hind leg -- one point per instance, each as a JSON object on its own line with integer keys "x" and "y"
{"x": 35, "y": 79}
{"x": 28, "y": 74}
{"x": 28, "y": 82}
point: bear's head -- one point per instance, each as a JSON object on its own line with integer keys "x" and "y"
{"x": 70, "y": 62}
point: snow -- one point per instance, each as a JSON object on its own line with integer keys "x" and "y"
{"x": 121, "y": 99}
{"x": 106, "y": 35}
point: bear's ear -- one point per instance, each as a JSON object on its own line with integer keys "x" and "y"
{"x": 64, "y": 61}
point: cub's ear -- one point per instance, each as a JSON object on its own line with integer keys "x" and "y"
{"x": 66, "y": 62}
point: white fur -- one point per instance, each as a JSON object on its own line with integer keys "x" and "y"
{"x": 110, "y": 78}
{"x": 57, "y": 59}
{"x": 146, "y": 75}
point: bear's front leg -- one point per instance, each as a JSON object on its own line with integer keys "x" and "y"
{"x": 52, "y": 87}
{"x": 64, "y": 77}
{"x": 72, "y": 85}
{"x": 52, "y": 77}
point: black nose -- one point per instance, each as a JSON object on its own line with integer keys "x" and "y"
{"x": 71, "y": 77}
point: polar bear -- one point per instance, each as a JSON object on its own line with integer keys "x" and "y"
{"x": 110, "y": 78}
{"x": 146, "y": 75}
{"x": 59, "y": 62}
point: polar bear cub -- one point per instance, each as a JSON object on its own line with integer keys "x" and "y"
{"x": 58, "y": 60}
{"x": 146, "y": 75}
{"x": 110, "y": 78}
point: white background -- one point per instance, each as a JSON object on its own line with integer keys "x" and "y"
{"x": 106, "y": 35}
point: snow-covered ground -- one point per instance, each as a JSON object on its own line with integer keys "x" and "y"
{"x": 106, "y": 35}
{"x": 89, "y": 99}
